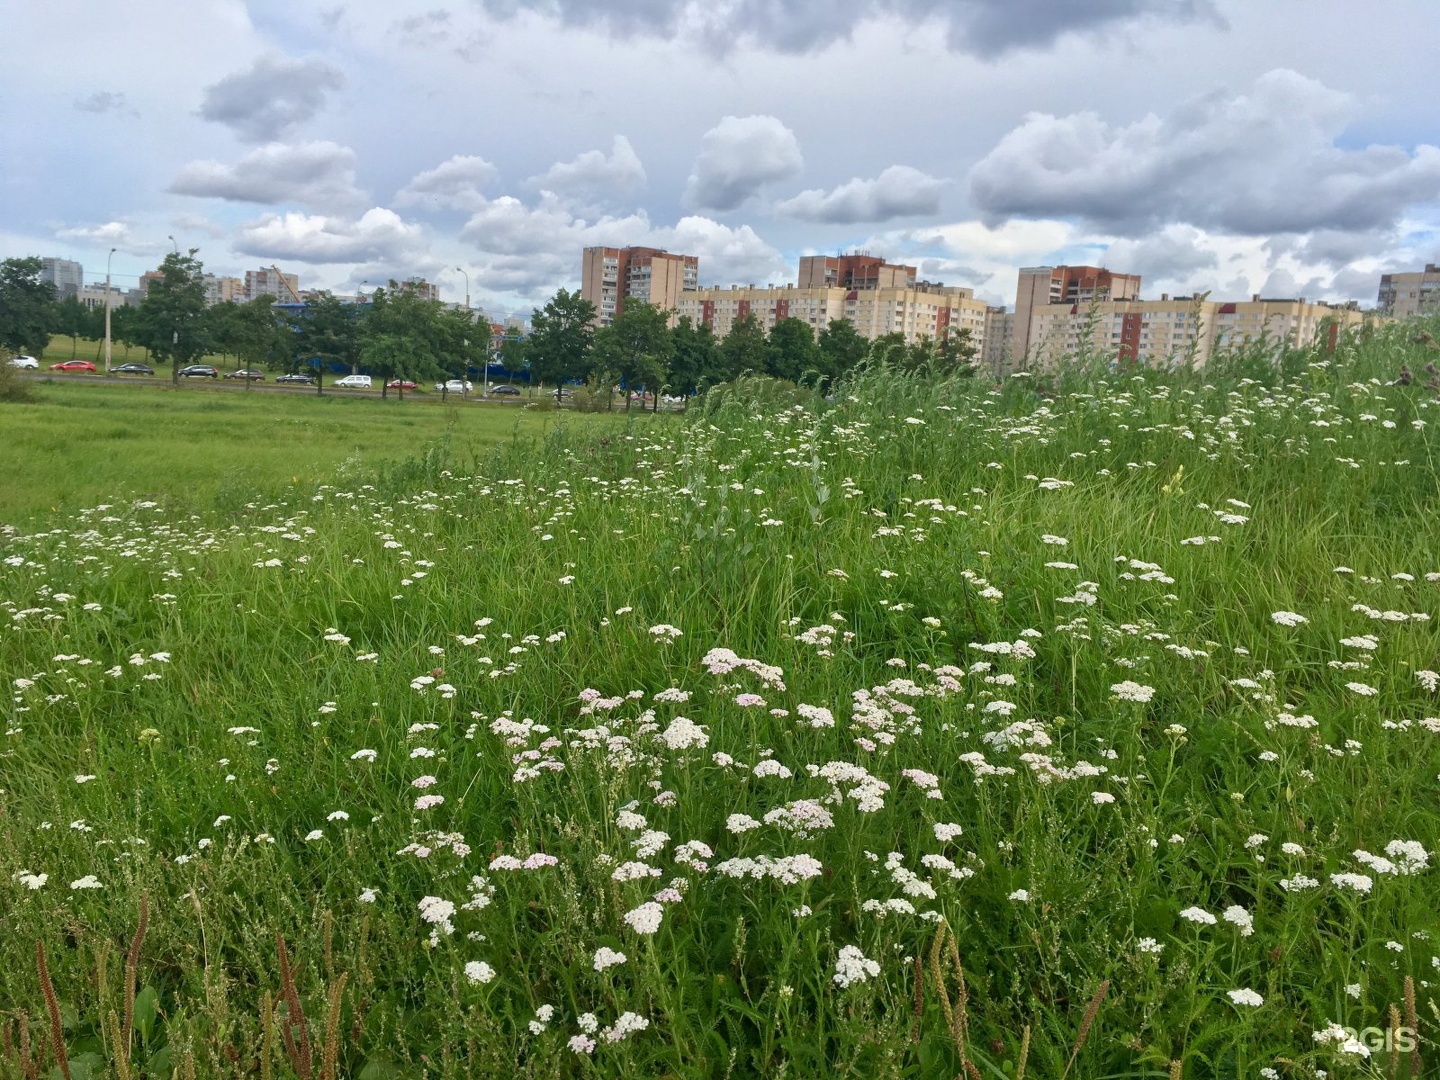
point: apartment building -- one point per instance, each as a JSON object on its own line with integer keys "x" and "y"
{"x": 221, "y": 290}
{"x": 857, "y": 271}
{"x": 999, "y": 345}
{"x": 268, "y": 281}
{"x": 1178, "y": 330}
{"x": 1409, "y": 294}
{"x": 919, "y": 311}
{"x": 1044, "y": 286}
{"x": 67, "y": 276}
{"x": 610, "y": 276}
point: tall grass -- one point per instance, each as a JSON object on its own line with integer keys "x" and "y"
{"x": 1069, "y": 727}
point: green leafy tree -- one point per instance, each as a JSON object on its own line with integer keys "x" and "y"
{"x": 695, "y": 356}
{"x": 261, "y": 340}
{"x": 513, "y": 353}
{"x": 467, "y": 341}
{"x": 638, "y": 347}
{"x": 792, "y": 353}
{"x": 27, "y": 307}
{"x": 957, "y": 352}
{"x": 842, "y": 348}
{"x": 75, "y": 320}
{"x": 172, "y": 315}
{"x": 403, "y": 336}
{"x": 744, "y": 348}
{"x": 327, "y": 329}
{"x": 561, "y": 335}
{"x": 890, "y": 349}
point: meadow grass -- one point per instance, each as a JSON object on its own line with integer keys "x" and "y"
{"x": 1073, "y": 727}
{"x": 198, "y": 447}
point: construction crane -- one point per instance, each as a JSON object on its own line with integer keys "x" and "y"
{"x": 284, "y": 281}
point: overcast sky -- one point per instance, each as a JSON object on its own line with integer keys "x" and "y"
{"x": 1279, "y": 147}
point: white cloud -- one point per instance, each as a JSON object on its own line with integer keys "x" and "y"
{"x": 379, "y": 234}
{"x": 455, "y": 184}
{"x": 799, "y": 26}
{"x": 272, "y": 96}
{"x": 1176, "y": 255}
{"x": 594, "y": 177}
{"x": 1256, "y": 163}
{"x": 312, "y": 174}
{"x": 112, "y": 233}
{"x": 899, "y": 191}
{"x": 738, "y": 156}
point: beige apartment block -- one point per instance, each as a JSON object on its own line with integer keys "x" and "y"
{"x": 1179, "y": 330}
{"x": 858, "y": 272}
{"x": 918, "y": 312}
{"x": 999, "y": 340}
{"x": 271, "y": 282}
{"x": 220, "y": 290}
{"x": 610, "y": 276}
{"x": 1405, "y": 295}
{"x": 1045, "y": 286}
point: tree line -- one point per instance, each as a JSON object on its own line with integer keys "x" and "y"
{"x": 398, "y": 334}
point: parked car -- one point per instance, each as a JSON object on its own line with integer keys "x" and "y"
{"x": 29, "y": 363}
{"x": 73, "y": 365}
{"x": 454, "y": 386}
{"x": 307, "y": 380}
{"x": 132, "y": 369}
{"x": 199, "y": 371}
{"x": 401, "y": 384}
{"x": 353, "y": 382}
{"x": 505, "y": 390}
{"x": 258, "y": 376}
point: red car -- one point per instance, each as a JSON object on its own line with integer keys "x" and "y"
{"x": 400, "y": 384}
{"x": 74, "y": 365}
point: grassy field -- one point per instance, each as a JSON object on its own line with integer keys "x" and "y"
{"x": 1082, "y": 727}
{"x": 198, "y": 447}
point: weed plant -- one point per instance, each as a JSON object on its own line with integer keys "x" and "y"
{"x": 1067, "y": 727}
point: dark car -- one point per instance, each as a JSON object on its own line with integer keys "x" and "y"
{"x": 304, "y": 380}
{"x": 505, "y": 390}
{"x": 199, "y": 371}
{"x": 132, "y": 369}
{"x": 243, "y": 374}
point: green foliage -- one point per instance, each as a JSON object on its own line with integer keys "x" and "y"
{"x": 637, "y": 346}
{"x": 27, "y": 308}
{"x": 561, "y": 334}
{"x": 743, "y": 350}
{"x": 792, "y": 353}
{"x": 171, "y": 320}
{"x": 405, "y": 336}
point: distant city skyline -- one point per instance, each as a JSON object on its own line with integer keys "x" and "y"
{"x": 1203, "y": 144}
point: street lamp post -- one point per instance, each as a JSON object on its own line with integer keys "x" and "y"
{"x": 107, "y": 309}
{"x": 177, "y": 246}
{"x": 461, "y": 269}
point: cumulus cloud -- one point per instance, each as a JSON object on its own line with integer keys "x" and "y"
{"x": 197, "y": 223}
{"x": 316, "y": 174}
{"x": 1175, "y": 254}
{"x": 110, "y": 233}
{"x": 738, "y": 156}
{"x": 532, "y": 250}
{"x": 455, "y": 184}
{"x": 594, "y": 176}
{"x": 272, "y": 96}
{"x": 104, "y": 101}
{"x": 984, "y": 27}
{"x": 379, "y": 234}
{"x": 1257, "y": 163}
{"x": 899, "y": 191}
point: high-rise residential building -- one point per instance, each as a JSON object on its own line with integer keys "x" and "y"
{"x": 999, "y": 340}
{"x": 857, "y": 271}
{"x": 921, "y": 311}
{"x": 419, "y": 287}
{"x": 1415, "y": 293}
{"x": 67, "y": 276}
{"x": 93, "y": 297}
{"x": 1040, "y": 286}
{"x": 268, "y": 281}
{"x": 1179, "y": 330}
{"x": 610, "y": 276}
{"x": 220, "y": 290}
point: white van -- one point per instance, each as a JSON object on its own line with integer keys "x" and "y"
{"x": 353, "y": 382}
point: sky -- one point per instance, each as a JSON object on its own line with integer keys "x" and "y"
{"x": 1235, "y": 146}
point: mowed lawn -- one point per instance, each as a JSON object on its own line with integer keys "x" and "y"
{"x": 200, "y": 447}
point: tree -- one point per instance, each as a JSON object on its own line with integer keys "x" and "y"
{"x": 638, "y": 347}
{"x": 402, "y": 336}
{"x": 27, "y": 306}
{"x": 326, "y": 329}
{"x": 957, "y": 352}
{"x": 695, "y": 356}
{"x": 467, "y": 341}
{"x": 172, "y": 315}
{"x": 75, "y": 320}
{"x": 842, "y": 348}
{"x": 513, "y": 353}
{"x": 259, "y": 337}
{"x": 743, "y": 348}
{"x": 792, "y": 352}
{"x": 890, "y": 349}
{"x": 561, "y": 334}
